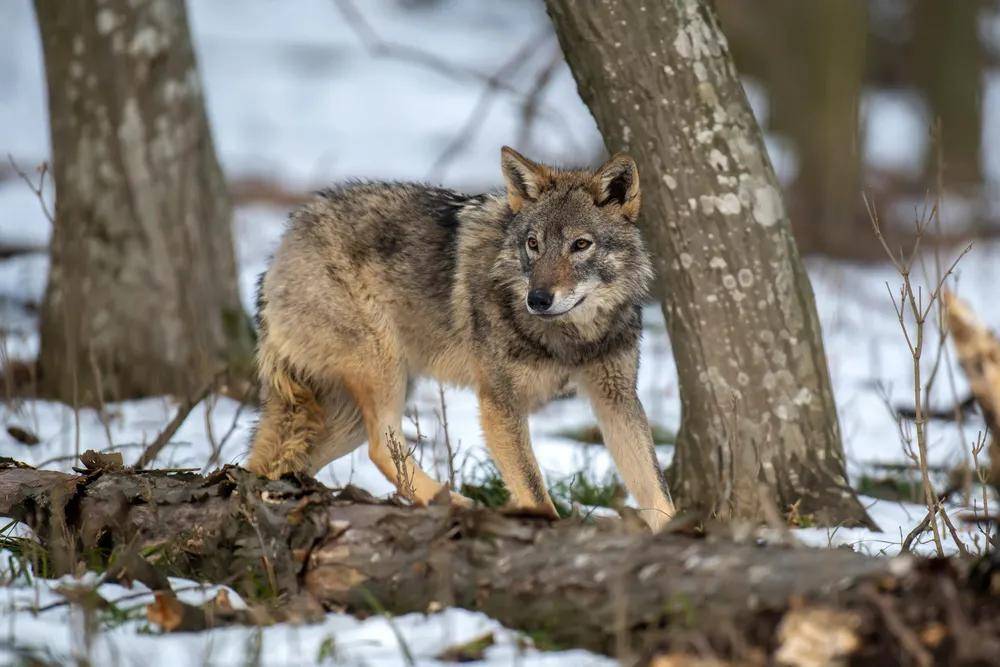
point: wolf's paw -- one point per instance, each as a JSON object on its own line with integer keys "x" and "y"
{"x": 445, "y": 496}
{"x": 546, "y": 511}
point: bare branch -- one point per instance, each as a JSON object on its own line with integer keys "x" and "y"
{"x": 39, "y": 189}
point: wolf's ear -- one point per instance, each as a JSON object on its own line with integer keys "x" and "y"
{"x": 526, "y": 180}
{"x": 616, "y": 183}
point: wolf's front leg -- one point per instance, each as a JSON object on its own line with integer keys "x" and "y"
{"x": 611, "y": 387}
{"x": 505, "y": 428}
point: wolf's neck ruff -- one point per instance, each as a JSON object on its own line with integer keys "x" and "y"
{"x": 564, "y": 342}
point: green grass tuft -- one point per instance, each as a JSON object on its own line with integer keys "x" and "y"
{"x": 586, "y": 490}
{"x": 888, "y": 486}
{"x": 487, "y": 487}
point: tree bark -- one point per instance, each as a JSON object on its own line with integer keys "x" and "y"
{"x": 595, "y": 586}
{"x": 142, "y": 295}
{"x": 759, "y": 428}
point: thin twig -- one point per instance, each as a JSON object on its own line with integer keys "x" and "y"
{"x": 38, "y": 190}
{"x": 907, "y": 639}
{"x": 402, "y": 460}
{"x": 214, "y": 459}
{"x": 529, "y": 109}
{"x": 449, "y": 451}
{"x": 183, "y": 410}
{"x": 473, "y": 121}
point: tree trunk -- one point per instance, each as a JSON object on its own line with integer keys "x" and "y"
{"x": 142, "y": 295}
{"x": 948, "y": 66}
{"x": 814, "y": 77}
{"x": 817, "y": 108}
{"x": 595, "y": 586}
{"x": 759, "y": 430}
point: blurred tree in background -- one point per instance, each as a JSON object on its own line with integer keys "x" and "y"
{"x": 946, "y": 54}
{"x": 817, "y": 60}
{"x": 810, "y": 57}
{"x": 142, "y": 296}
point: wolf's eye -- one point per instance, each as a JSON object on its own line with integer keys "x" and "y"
{"x": 532, "y": 243}
{"x": 581, "y": 244}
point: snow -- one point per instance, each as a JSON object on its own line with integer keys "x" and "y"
{"x": 896, "y": 126}
{"x": 339, "y": 639}
{"x": 294, "y": 97}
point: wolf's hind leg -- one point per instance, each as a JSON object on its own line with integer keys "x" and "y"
{"x": 382, "y": 401}
{"x": 291, "y": 419}
{"x": 343, "y": 429}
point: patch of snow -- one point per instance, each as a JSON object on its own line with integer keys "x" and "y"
{"x": 896, "y": 519}
{"x": 896, "y": 126}
{"x": 339, "y": 638}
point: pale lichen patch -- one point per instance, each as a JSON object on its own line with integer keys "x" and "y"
{"x": 718, "y": 161}
{"x": 147, "y": 42}
{"x": 804, "y": 397}
{"x": 728, "y": 204}
{"x": 106, "y": 21}
{"x": 767, "y": 206}
{"x": 707, "y": 204}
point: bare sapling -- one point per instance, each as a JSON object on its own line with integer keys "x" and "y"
{"x": 914, "y": 305}
{"x": 449, "y": 449}
{"x": 985, "y": 526}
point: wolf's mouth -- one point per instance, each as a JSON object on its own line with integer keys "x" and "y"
{"x": 552, "y": 316}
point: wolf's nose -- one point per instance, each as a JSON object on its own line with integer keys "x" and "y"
{"x": 539, "y": 299}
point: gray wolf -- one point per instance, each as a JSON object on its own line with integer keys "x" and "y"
{"x": 516, "y": 295}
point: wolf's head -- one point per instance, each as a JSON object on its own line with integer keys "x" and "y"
{"x": 574, "y": 236}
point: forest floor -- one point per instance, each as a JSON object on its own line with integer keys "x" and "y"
{"x": 302, "y": 131}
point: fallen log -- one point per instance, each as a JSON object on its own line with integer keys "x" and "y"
{"x": 600, "y": 586}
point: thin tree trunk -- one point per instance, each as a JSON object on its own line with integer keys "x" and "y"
{"x": 817, "y": 108}
{"x": 286, "y": 545}
{"x": 142, "y": 295}
{"x": 759, "y": 430}
{"x": 948, "y": 66}
{"x": 810, "y": 57}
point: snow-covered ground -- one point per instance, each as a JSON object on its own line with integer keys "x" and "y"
{"x": 294, "y": 97}
{"x": 340, "y": 639}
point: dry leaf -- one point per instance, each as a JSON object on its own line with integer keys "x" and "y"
{"x": 165, "y": 612}
{"x": 817, "y": 637}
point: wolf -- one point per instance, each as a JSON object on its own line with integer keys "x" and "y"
{"x": 517, "y": 294}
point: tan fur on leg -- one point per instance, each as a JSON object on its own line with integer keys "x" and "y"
{"x": 381, "y": 404}
{"x": 290, "y": 421}
{"x": 506, "y": 434}
{"x": 611, "y": 387}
